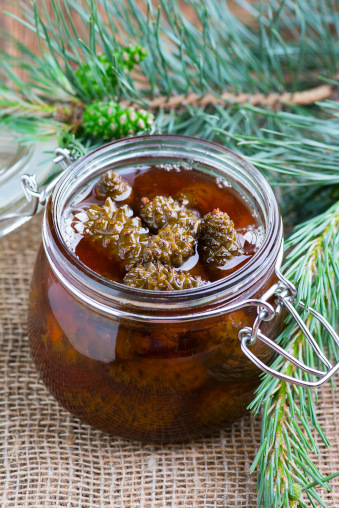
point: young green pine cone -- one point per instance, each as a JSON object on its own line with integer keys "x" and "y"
{"x": 218, "y": 239}
{"x": 108, "y": 120}
{"x": 112, "y": 185}
{"x": 171, "y": 246}
{"x": 127, "y": 57}
{"x": 102, "y": 218}
{"x": 105, "y": 223}
{"x": 88, "y": 82}
{"x": 132, "y": 55}
{"x": 157, "y": 277}
{"x": 162, "y": 211}
{"x": 114, "y": 229}
{"x": 297, "y": 492}
{"x": 132, "y": 240}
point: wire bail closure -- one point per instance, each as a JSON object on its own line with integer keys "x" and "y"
{"x": 37, "y": 197}
{"x": 284, "y": 292}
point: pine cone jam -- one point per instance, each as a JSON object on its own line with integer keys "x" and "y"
{"x": 127, "y": 320}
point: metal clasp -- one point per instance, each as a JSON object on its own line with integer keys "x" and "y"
{"x": 285, "y": 293}
{"x": 38, "y": 197}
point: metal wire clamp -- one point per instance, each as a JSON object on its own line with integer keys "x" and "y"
{"x": 284, "y": 293}
{"x": 34, "y": 196}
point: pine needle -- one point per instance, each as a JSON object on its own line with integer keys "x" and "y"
{"x": 262, "y": 88}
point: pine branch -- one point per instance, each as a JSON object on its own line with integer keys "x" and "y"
{"x": 287, "y": 474}
{"x": 193, "y": 59}
{"x": 203, "y": 63}
{"x": 252, "y": 87}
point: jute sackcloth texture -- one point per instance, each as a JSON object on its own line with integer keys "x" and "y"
{"x": 50, "y": 459}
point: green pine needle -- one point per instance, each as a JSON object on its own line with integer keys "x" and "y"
{"x": 289, "y": 412}
{"x": 98, "y": 78}
{"x": 291, "y": 45}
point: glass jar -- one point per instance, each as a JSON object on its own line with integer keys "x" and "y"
{"x": 150, "y": 365}
{"x": 15, "y": 160}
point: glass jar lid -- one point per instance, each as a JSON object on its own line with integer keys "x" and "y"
{"x": 18, "y": 159}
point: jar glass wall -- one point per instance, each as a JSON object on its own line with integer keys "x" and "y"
{"x": 144, "y": 365}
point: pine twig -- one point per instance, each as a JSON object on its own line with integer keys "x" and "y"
{"x": 286, "y": 471}
{"x": 272, "y": 100}
{"x": 192, "y": 78}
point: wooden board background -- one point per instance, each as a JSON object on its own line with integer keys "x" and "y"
{"x": 7, "y": 24}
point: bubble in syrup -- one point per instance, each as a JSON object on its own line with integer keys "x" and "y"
{"x": 222, "y": 183}
{"x": 249, "y": 239}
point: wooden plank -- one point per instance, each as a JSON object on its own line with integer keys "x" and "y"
{"x": 30, "y": 40}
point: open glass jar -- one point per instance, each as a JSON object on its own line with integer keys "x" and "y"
{"x": 150, "y": 365}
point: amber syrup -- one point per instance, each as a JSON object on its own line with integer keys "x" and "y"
{"x": 202, "y": 193}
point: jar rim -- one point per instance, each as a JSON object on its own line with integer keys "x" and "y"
{"x": 108, "y": 295}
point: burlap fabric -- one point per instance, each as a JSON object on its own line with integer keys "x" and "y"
{"x": 50, "y": 459}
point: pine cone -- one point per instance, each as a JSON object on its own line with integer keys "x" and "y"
{"x": 159, "y": 377}
{"x": 127, "y": 57}
{"x": 101, "y": 219}
{"x": 111, "y": 184}
{"x": 157, "y": 277}
{"x": 171, "y": 246}
{"x": 107, "y": 120}
{"x": 116, "y": 230}
{"x": 297, "y": 492}
{"x": 132, "y": 55}
{"x": 162, "y": 211}
{"x": 105, "y": 223}
{"x": 218, "y": 240}
{"x": 132, "y": 239}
